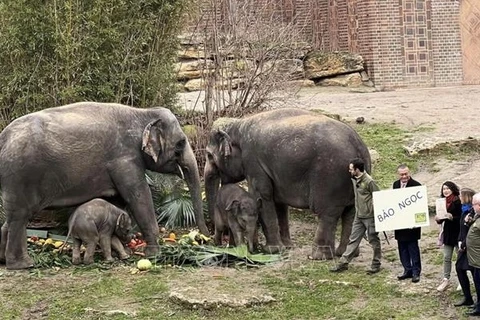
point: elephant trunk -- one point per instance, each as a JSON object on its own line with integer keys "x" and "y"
{"x": 212, "y": 184}
{"x": 191, "y": 175}
{"x": 251, "y": 234}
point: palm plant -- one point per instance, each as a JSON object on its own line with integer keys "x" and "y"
{"x": 171, "y": 200}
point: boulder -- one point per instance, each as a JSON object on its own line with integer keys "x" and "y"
{"x": 324, "y": 64}
{"x": 191, "y": 53}
{"x": 192, "y": 69}
{"x": 291, "y": 67}
{"x": 195, "y": 85}
{"x": 303, "y": 83}
{"x": 343, "y": 80}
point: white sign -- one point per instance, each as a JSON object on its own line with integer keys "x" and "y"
{"x": 441, "y": 208}
{"x": 401, "y": 208}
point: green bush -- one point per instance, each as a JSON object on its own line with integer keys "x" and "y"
{"x": 58, "y": 52}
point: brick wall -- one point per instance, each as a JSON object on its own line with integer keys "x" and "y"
{"x": 446, "y": 39}
{"x": 403, "y": 42}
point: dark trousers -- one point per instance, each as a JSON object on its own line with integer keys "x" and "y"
{"x": 462, "y": 267}
{"x": 476, "y": 282}
{"x": 410, "y": 257}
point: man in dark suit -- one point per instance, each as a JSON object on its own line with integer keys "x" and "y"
{"x": 408, "y": 238}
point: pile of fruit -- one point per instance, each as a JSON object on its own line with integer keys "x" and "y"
{"x": 137, "y": 244}
{"x": 47, "y": 253}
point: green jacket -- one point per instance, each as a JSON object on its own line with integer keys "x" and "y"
{"x": 364, "y": 187}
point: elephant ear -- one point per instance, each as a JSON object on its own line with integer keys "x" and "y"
{"x": 225, "y": 142}
{"x": 123, "y": 223}
{"x": 152, "y": 141}
{"x": 233, "y": 205}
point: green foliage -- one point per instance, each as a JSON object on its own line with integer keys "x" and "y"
{"x": 171, "y": 200}
{"x": 58, "y": 52}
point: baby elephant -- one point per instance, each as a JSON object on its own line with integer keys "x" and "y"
{"x": 99, "y": 222}
{"x": 236, "y": 209}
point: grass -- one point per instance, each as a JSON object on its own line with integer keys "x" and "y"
{"x": 388, "y": 141}
{"x": 307, "y": 292}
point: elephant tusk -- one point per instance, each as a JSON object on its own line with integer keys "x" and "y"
{"x": 180, "y": 171}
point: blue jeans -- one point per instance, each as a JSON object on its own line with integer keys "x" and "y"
{"x": 410, "y": 257}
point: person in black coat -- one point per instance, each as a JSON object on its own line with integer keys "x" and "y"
{"x": 462, "y": 265}
{"x": 408, "y": 238}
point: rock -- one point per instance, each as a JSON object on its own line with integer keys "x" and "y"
{"x": 191, "y": 53}
{"x": 224, "y": 300}
{"x": 195, "y": 85}
{"x": 292, "y": 67}
{"x": 193, "y": 69}
{"x": 190, "y": 39}
{"x": 302, "y": 83}
{"x": 360, "y": 120}
{"x": 344, "y": 80}
{"x": 323, "y": 64}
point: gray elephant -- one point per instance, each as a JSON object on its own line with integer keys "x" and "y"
{"x": 290, "y": 157}
{"x": 235, "y": 209}
{"x": 98, "y": 222}
{"x": 65, "y": 156}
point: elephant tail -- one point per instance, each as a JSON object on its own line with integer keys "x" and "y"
{"x": 70, "y": 224}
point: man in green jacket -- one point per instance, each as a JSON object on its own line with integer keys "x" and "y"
{"x": 364, "y": 221}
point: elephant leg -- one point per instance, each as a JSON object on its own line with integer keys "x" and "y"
{"x": 324, "y": 242}
{"x": 16, "y": 250}
{"x": 120, "y": 248}
{"x": 90, "y": 245}
{"x": 348, "y": 216}
{"x": 76, "y": 258}
{"x": 237, "y": 238}
{"x": 3, "y": 242}
{"x": 219, "y": 227}
{"x": 137, "y": 195}
{"x": 269, "y": 222}
{"x": 106, "y": 246}
{"x": 282, "y": 214}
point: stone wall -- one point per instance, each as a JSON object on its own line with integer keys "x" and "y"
{"x": 308, "y": 68}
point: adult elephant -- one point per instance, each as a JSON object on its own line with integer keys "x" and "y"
{"x": 290, "y": 157}
{"x": 65, "y": 156}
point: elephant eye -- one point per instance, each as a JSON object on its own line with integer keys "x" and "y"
{"x": 180, "y": 146}
{"x": 209, "y": 156}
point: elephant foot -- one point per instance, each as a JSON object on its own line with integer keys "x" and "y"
{"x": 76, "y": 261}
{"x": 124, "y": 257}
{"x": 272, "y": 249}
{"x": 88, "y": 261}
{"x": 321, "y": 253}
{"x": 287, "y": 243}
{"x": 19, "y": 264}
{"x": 151, "y": 250}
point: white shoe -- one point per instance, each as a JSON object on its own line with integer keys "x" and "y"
{"x": 444, "y": 285}
{"x": 459, "y": 288}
